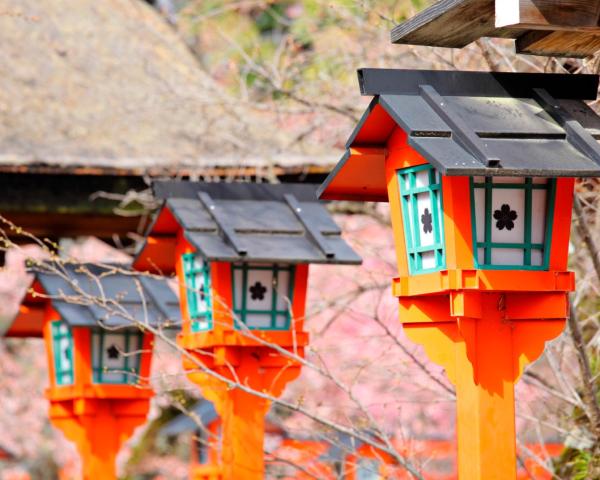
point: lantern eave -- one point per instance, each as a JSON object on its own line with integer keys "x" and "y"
{"x": 470, "y": 124}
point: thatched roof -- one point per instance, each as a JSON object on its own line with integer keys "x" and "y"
{"x": 108, "y": 85}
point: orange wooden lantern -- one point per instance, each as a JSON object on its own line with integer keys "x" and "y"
{"x": 241, "y": 253}
{"x": 98, "y": 360}
{"x": 478, "y": 169}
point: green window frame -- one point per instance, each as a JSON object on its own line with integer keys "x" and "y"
{"x": 410, "y": 193}
{"x": 62, "y": 337}
{"x": 129, "y": 355}
{"x": 488, "y": 185}
{"x": 196, "y": 272}
{"x": 277, "y": 316}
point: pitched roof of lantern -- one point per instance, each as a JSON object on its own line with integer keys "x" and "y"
{"x": 566, "y": 28}
{"x": 90, "y": 295}
{"x": 110, "y": 87}
{"x": 471, "y": 123}
{"x": 243, "y": 222}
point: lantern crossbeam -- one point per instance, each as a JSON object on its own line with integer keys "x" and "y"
{"x": 464, "y": 135}
{"x": 577, "y": 136}
{"x": 314, "y": 233}
{"x": 217, "y": 215}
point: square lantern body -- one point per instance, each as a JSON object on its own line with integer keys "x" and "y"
{"x": 115, "y": 356}
{"x": 511, "y": 220}
{"x": 241, "y": 254}
{"x": 261, "y": 294}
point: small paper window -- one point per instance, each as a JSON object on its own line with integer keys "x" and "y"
{"x": 116, "y": 356}
{"x": 512, "y": 222}
{"x": 197, "y": 281}
{"x": 62, "y": 346}
{"x": 262, "y": 295}
{"x": 368, "y": 469}
{"x": 422, "y": 212}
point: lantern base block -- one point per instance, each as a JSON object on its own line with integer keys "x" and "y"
{"x": 98, "y": 428}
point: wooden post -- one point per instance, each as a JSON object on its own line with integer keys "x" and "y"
{"x": 485, "y": 403}
{"x": 484, "y": 356}
{"x": 243, "y": 435}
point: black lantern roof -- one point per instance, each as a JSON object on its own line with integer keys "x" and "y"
{"x": 89, "y": 295}
{"x": 244, "y": 222}
{"x": 476, "y": 123}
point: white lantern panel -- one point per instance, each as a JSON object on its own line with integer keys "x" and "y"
{"x": 284, "y": 302}
{"x": 259, "y": 290}
{"x": 428, "y": 260}
{"x": 112, "y": 357}
{"x": 481, "y": 256}
{"x": 507, "y": 256}
{"x": 422, "y": 179}
{"x": 238, "y": 285}
{"x": 537, "y": 258}
{"x": 538, "y": 216}
{"x": 258, "y": 320}
{"x": 519, "y": 180}
{"x": 479, "y": 194}
{"x": 426, "y": 224}
{"x": 508, "y": 215}
{"x": 281, "y": 321}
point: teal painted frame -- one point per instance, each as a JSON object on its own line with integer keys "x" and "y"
{"x": 241, "y": 311}
{"x": 57, "y": 336}
{"x": 191, "y": 273}
{"x": 130, "y": 373}
{"x": 414, "y": 251}
{"x": 526, "y": 246}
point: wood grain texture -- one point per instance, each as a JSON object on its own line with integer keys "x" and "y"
{"x": 448, "y": 23}
{"x": 559, "y": 43}
{"x": 574, "y": 15}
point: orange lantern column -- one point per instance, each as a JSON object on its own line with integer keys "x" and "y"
{"x": 241, "y": 255}
{"x": 476, "y": 169}
{"x": 98, "y": 358}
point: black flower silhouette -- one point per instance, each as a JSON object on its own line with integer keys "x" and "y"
{"x": 506, "y": 217}
{"x": 67, "y": 354}
{"x": 258, "y": 291}
{"x": 201, "y": 293}
{"x": 113, "y": 352}
{"x": 426, "y": 220}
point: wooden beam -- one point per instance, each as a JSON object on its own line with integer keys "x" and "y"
{"x": 574, "y": 15}
{"x": 449, "y": 23}
{"x": 559, "y": 43}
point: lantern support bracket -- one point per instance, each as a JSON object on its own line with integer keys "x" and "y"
{"x": 314, "y": 234}
{"x": 464, "y": 135}
{"x": 217, "y": 215}
{"x": 577, "y": 136}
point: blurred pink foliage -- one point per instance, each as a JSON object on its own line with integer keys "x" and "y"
{"x": 355, "y": 337}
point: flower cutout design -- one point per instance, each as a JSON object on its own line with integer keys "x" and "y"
{"x": 505, "y": 217}
{"x": 67, "y": 354}
{"x": 113, "y": 352}
{"x": 427, "y": 221}
{"x": 201, "y": 293}
{"x": 257, "y": 291}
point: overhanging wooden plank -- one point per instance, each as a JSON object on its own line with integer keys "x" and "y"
{"x": 451, "y": 23}
{"x": 548, "y": 15}
{"x": 559, "y": 43}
